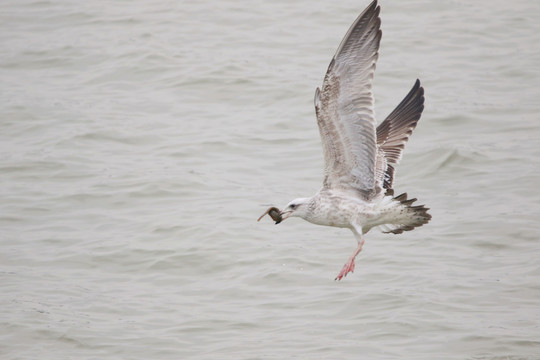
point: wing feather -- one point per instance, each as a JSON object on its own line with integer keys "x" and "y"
{"x": 344, "y": 107}
{"x": 394, "y": 132}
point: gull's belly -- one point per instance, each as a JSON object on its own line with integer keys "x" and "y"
{"x": 340, "y": 213}
{"x": 331, "y": 220}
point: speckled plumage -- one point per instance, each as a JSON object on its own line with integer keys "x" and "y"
{"x": 360, "y": 159}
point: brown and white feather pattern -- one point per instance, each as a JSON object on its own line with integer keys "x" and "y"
{"x": 394, "y": 132}
{"x": 344, "y": 108}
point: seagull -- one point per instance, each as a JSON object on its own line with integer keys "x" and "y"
{"x": 359, "y": 157}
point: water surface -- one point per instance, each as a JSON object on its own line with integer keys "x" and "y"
{"x": 141, "y": 140}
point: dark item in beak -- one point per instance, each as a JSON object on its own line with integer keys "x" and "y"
{"x": 274, "y": 213}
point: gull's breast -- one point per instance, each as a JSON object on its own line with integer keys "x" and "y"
{"x": 335, "y": 211}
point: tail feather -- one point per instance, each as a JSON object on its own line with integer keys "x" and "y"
{"x": 409, "y": 217}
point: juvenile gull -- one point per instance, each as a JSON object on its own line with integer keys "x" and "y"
{"x": 360, "y": 159}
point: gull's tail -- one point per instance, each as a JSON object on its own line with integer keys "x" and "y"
{"x": 405, "y": 217}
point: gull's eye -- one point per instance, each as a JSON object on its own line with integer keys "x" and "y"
{"x": 293, "y": 206}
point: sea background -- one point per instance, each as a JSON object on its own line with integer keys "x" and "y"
{"x": 141, "y": 140}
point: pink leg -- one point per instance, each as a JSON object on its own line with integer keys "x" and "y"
{"x": 349, "y": 265}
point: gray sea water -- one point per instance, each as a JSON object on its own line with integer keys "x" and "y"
{"x": 141, "y": 140}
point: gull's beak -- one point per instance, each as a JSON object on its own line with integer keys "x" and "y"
{"x": 285, "y": 214}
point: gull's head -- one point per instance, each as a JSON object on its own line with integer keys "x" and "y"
{"x": 298, "y": 207}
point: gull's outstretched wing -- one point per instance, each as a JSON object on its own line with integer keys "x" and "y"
{"x": 344, "y": 108}
{"x": 394, "y": 132}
